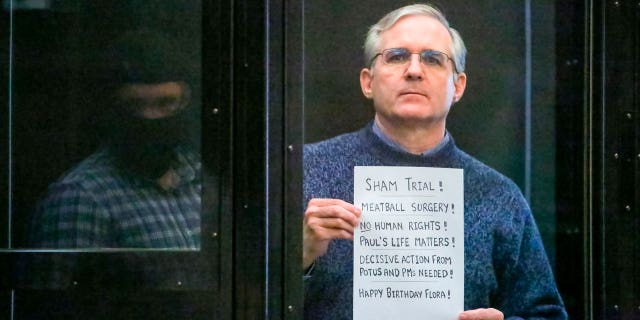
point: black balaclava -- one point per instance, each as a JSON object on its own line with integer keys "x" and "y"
{"x": 148, "y": 146}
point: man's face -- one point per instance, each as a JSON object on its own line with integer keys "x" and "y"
{"x": 413, "y": 94}
{"x": 154, "y": 101}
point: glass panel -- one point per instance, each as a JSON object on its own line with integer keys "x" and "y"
{"x": 104, "y": 114}
{"x": 102, "y": 105}
{"x": 506, "y": 118}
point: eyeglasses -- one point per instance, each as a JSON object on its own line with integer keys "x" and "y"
{"x": 401, "y": 56}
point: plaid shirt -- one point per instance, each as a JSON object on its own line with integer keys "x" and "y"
{"x": 96, "y": 205}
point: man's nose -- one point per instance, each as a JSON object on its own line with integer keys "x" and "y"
{"x": 414, "y": 68}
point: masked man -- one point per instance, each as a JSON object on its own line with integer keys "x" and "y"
{"x": 141, "y": 189}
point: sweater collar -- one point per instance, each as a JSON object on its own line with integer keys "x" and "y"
{"x": 391, "y": 155}
{"x": 396, "y": 146}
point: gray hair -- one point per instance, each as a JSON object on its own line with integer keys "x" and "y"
{"x": 372, "y": 42}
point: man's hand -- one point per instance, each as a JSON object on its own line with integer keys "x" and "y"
{"x": 324, "y": 220}
{"x": 481, "y": 314}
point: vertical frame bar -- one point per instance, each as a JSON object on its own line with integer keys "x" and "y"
{"x": 268, "y": 166}
{"x": 618, "y": 33}
{"x": 594, "y": 152}
{"x": 217, "y": 155}
{"x": 294, "y": 138}
{"x": 573, "y": 143}
{"x": 6, "y": 57}
{"x": 250, "y": 173}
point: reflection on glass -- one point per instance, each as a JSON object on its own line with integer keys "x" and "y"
{"x": 141, "y": 189}
{"x": 134, "y": 94}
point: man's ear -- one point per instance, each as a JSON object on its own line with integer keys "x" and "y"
{"x": 366, "y": 76}
{"x": 460, "y": 83}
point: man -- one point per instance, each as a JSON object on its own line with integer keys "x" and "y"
{"x": 415, "y": 73}
{"x": 142, "y": 188}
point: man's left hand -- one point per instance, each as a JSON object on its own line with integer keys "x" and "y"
{"x": 481, "y": 314}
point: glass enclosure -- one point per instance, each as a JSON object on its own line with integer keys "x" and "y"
{"x": 104, "y": 96}
{"x": 152, "y": 151}
{"x": 111, "y": 210}
{"x": 507, "y": 118}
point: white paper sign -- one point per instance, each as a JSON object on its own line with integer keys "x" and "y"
{"x": 408, "y": 256}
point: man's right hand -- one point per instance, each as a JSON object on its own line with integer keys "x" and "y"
{"x": 324, "y": 220}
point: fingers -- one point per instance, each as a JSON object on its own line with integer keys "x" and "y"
{"x": 330, "y": 228}
{"x": 333, "y": 208}
{"x": 327, "y": 219}
{"x": 481, "y": 314}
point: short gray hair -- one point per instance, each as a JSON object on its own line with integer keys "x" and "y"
{"x": 372, "y": 42}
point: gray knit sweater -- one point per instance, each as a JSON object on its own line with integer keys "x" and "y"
{"x": 506, "y": 266}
